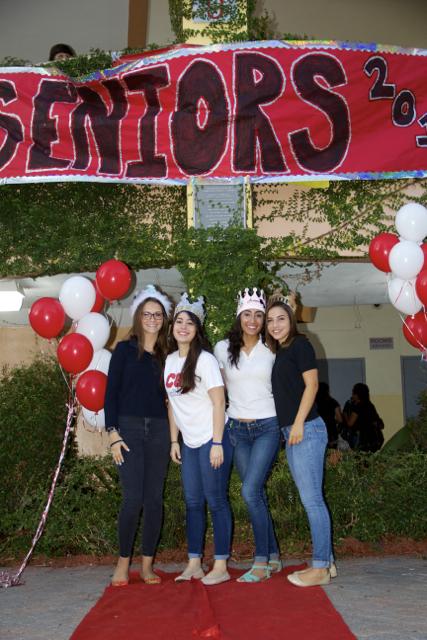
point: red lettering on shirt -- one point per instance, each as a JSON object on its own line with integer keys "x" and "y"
{"x": 173, "y": 380}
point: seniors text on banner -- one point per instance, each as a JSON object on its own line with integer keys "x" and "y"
{"x": 273, "y": 111}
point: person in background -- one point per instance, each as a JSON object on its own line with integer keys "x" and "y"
{"x": 137, "y": 424}
{"x": 61, "y": 52}
{"x": 330, "y": 411}
{"x": 295, "y": 384}
{"x": 362, "y": 420}
{"x": 252, "y": 427}
{"x": 197, "y": 411}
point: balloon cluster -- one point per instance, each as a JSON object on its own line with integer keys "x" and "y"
{"x": 404, "y": 257}
{"x": 82, "y": 352}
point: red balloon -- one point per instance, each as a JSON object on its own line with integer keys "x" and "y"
{"x": 113, "y": 279}
{"x": 74, "y": 353}
{"x": 90, "y": 389}
{"x": 415, "y": 330}
{"x": 379, "y": 250}
{"x": 47, "y": 317}
{"x": 98, "y": 305}
{"x": 421, "y": 286}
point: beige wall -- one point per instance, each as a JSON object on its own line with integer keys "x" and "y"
{"x": 29, "y": 29}
{"x": 344, "y": 332}
{"x": 384, "y": 21}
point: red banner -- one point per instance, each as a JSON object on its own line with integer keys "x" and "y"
{"x": 271, "y": 111}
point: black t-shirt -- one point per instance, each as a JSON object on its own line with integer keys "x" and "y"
{"x": 287, "y": 380}
{"x": 134, "y": 385}
{"x": 367, "y": 425}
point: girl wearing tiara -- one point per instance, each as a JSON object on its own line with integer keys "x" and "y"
{"x": 137, "y": 424}
{"x": 295, "y": 384}
{"x": 197, "y": 410}
{"x": 252, "y": 428}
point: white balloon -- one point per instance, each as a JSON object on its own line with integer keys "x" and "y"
{"x": 77, "y": 296}
{"x": 406, "y": 259}
{"x": 96, "y": 329}
{"x": 100, "y": 361}
{"x": 96, "y": 420}
{"x": 411, "y": 222}
{"x": 403, "y": 296}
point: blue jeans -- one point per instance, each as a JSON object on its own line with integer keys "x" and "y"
{"x": 256, "y": 445}
{"x": 306, "y": 463}
{"x": 204, "y": 484}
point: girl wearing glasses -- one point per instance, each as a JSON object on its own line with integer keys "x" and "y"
{"x": 136, "y": 420}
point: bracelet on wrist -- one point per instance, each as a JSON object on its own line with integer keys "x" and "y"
{"x": 174, "y": 441}
{"x": 115, "y": 442}
{"x": 217, "y": 444}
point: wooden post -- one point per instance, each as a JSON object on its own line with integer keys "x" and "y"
{"x": 137, "y": 24}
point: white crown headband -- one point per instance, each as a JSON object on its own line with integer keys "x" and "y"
{"x": 150, "y": 291}
{"x": 290, "y": 299}
{"x": 195, "y": 307}
{"x": 247, "y": 301}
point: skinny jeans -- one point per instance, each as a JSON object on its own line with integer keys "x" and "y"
{"x": 306, "y": 462}
{"x": 202, "y": 483}
{"x": 142, "y": 477}
{"x": 256, "y": 445}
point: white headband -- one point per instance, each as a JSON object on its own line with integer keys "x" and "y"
{"x": 150, "y": 291}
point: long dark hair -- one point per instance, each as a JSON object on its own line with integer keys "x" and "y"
{"x": 236, "y": 342}
{"x": 137, "y": 332}
{"x": 274, "y": 344}
{"x": 361, "y": 390}
{"x": 199, "y": 343}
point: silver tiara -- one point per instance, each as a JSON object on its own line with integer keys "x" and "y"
{"x": 195, "y": 307}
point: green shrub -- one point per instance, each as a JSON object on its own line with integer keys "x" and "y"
{"x": 370, "y": 497}
{"x": 418, "y": 426}
{"x": 32, "y": 417}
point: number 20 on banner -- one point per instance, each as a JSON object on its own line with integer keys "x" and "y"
{"x": 403, "y": 109}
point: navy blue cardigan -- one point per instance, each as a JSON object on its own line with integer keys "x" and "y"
{"x": 134, "y": 386}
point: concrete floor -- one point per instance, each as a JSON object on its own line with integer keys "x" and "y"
{"x": 379, "y": 598}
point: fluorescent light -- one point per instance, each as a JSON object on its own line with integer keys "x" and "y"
{"x": 11, "y": 300}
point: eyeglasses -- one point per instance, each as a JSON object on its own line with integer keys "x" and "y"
{"x": 157, "y": 315}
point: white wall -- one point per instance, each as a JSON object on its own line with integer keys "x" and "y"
{"x": 29, "y": 29}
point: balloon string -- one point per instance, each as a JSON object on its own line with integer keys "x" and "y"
{"x": 6, "y": 578}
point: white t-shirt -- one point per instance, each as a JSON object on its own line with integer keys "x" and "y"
{"x": 193, "y": 411}
{"x": 249, "y": 384}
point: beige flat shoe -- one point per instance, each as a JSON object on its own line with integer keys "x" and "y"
{"x": 295, "y": 579}
{"x": 218, "y": 579}
{"x": 332, "y": 570}
{"x": 186, "y": 576}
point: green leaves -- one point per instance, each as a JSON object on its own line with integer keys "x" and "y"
{"x": 60, "y": 228}
{"x": 216, "y": 263}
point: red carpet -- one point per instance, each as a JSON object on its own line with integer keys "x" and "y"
{"x": 271, "y": 610}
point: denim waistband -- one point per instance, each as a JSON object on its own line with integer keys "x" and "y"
{"x": 261, "y": 422}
